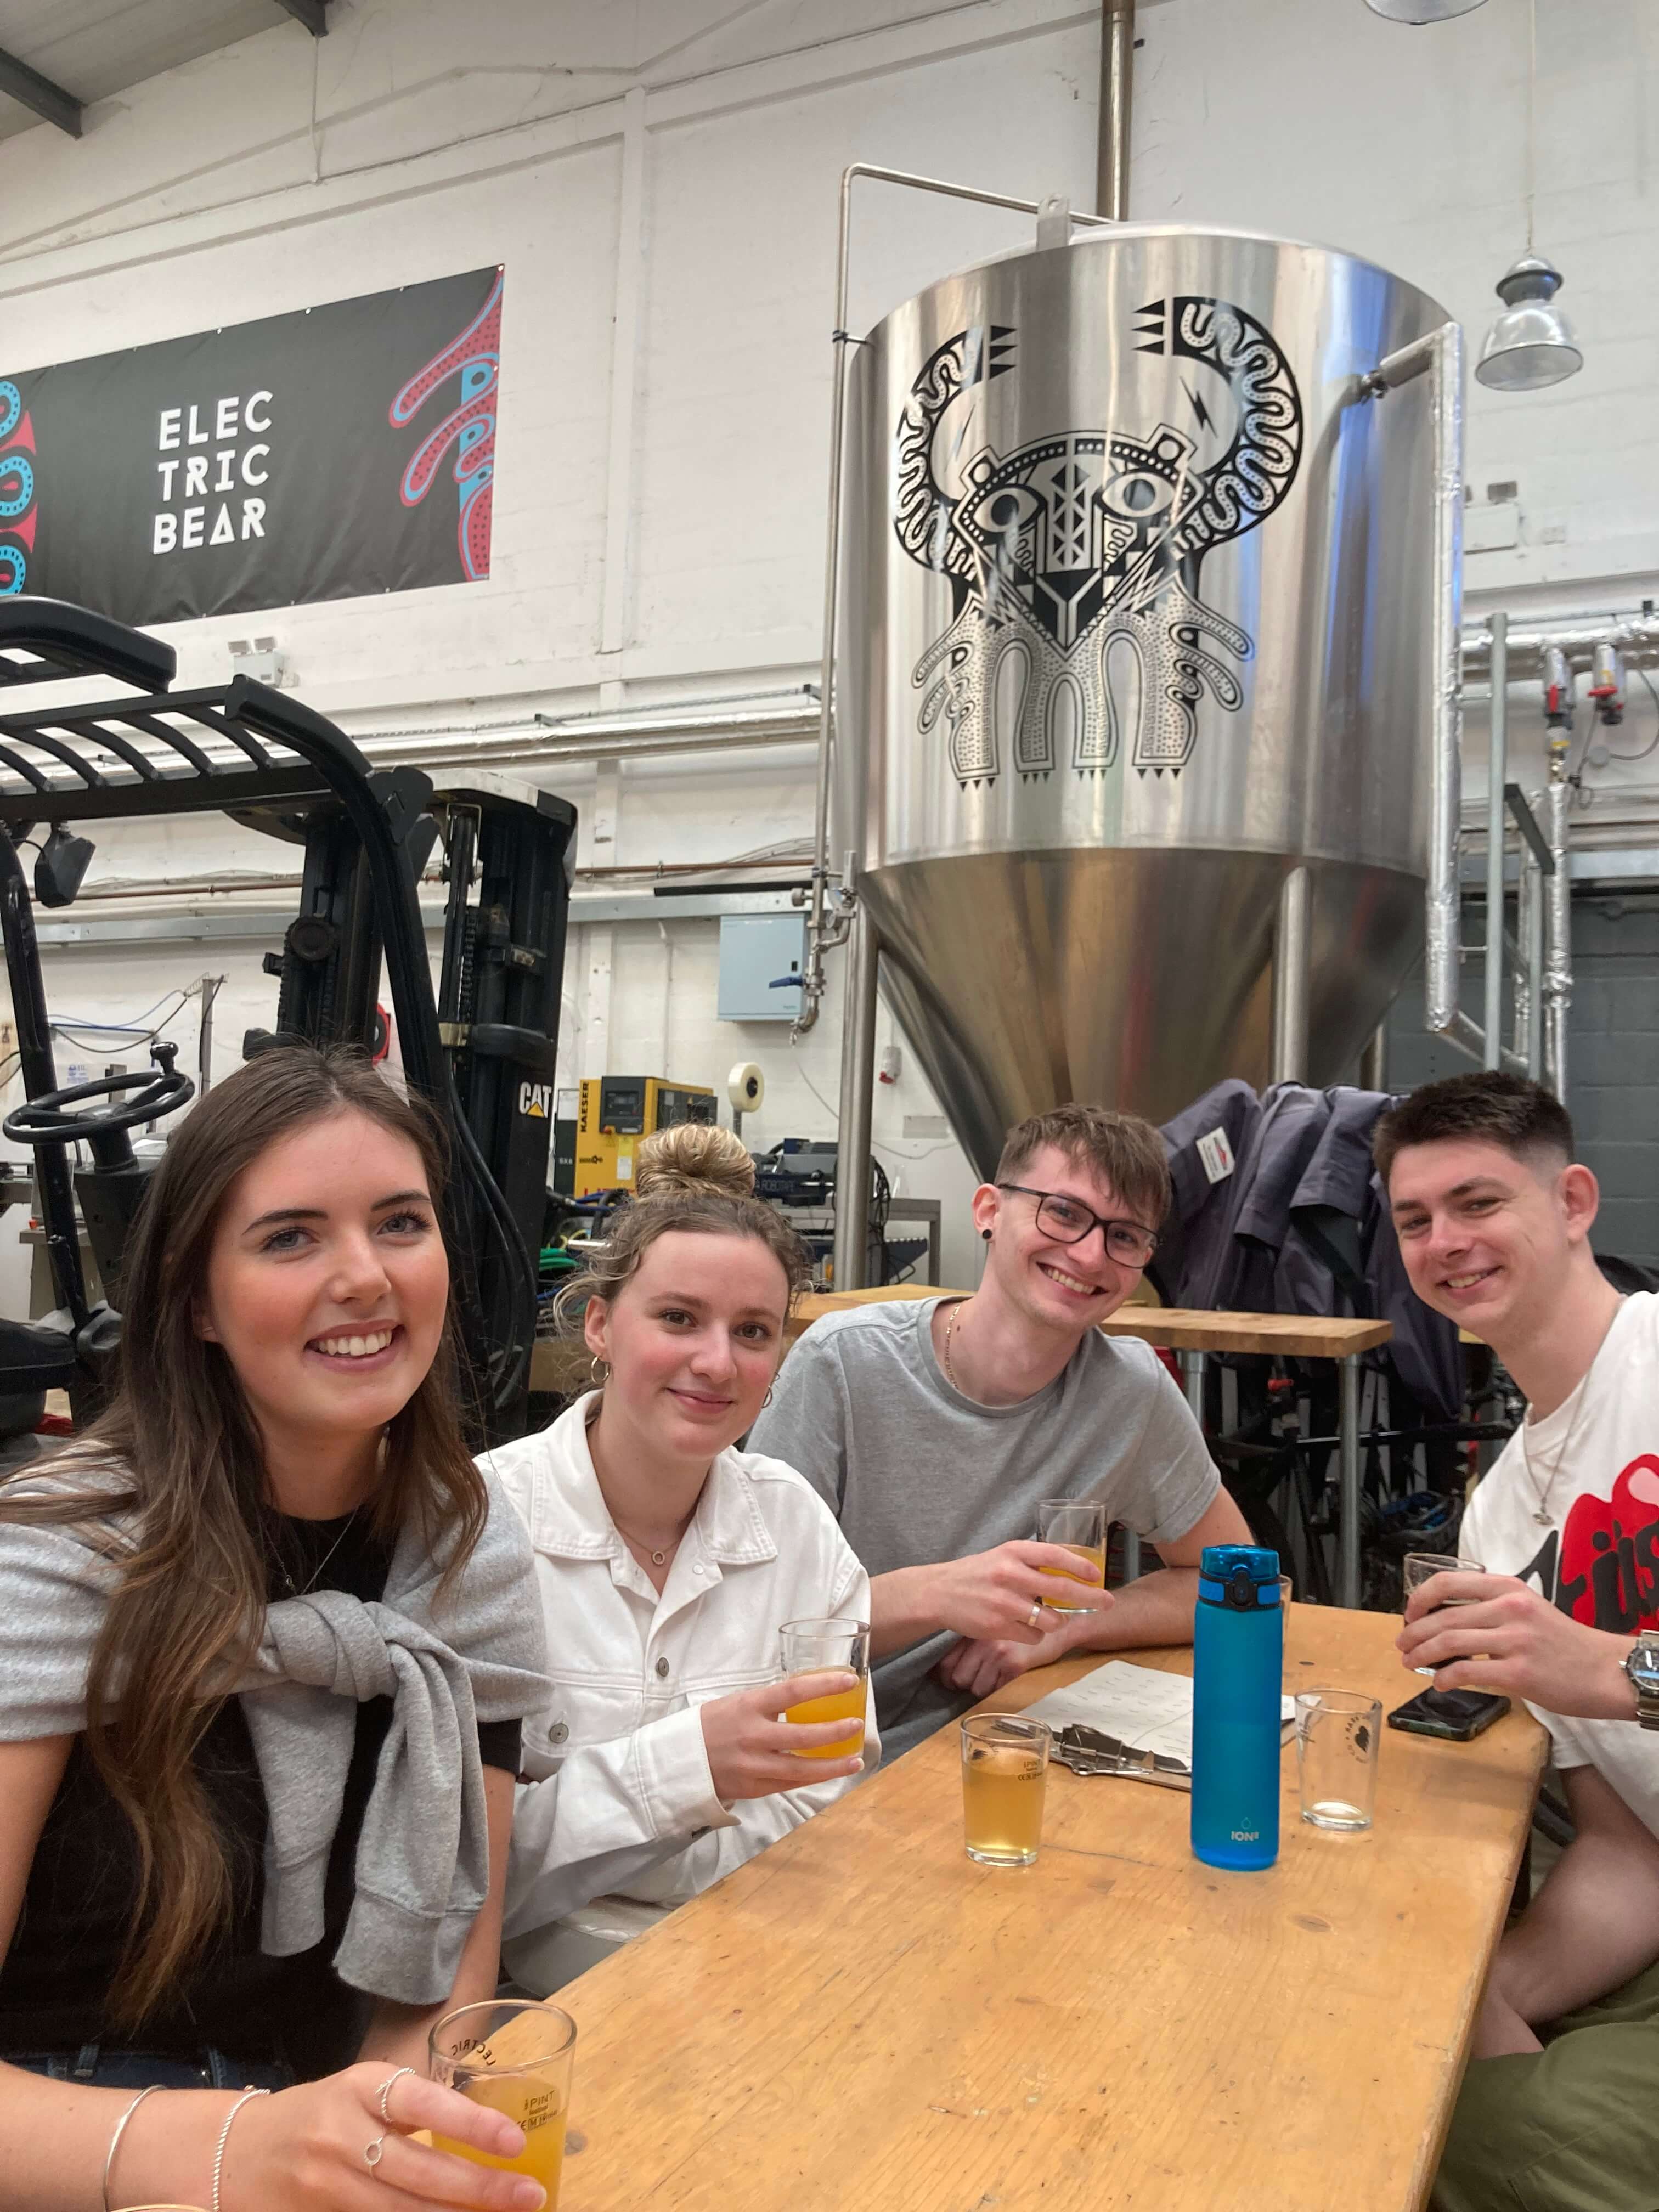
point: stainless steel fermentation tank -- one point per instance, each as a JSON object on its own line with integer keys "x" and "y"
{"x": 1148, "y": 604}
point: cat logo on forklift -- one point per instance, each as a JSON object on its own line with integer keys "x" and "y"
{"x": 536, "y": 1099}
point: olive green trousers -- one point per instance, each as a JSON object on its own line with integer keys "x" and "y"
{"x": 1572, "y": 2127}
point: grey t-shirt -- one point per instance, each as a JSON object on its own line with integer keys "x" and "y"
{"x": 917, "y": 1473}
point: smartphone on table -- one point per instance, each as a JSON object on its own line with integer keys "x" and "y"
{"x": 1457, "y": 1715}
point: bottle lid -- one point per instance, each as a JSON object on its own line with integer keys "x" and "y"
{"x": 1241, "y": 1575}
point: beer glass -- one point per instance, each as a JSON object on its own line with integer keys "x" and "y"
{"x": 1337, "y": 1735}
{"x": 1081, "y": 1529}
{"x": 817, "y": 1647}
{"x": 1004, "y": 1766}
{"x": 1416, "y": 1569}
{"x": 516, "y": 2058}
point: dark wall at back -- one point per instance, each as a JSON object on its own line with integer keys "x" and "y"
{"x": 344, "y": 450}
{"x": 1612, "y": 1056}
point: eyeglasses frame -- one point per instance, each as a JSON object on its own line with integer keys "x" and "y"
{"x": 1096, "y": 1220}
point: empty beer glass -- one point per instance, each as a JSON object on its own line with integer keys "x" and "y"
{"x": 1337, "y": 1735}
{"x": 515, "y": 2057}
{"x": 1004, "y": 1766}
{"x": 821, "y": 1647}
{"x": 1081, "y": 1529}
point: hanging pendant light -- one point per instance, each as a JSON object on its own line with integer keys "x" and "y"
{"x": 1422, "y": 11}
{"x": 1532, "y": 343}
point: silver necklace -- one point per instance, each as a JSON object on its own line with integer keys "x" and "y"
{"x": 1541, "y": 1512}
{"x": 311, "y": 1583}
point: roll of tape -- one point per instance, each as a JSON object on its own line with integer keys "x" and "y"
{"x": 745, "y": 1087}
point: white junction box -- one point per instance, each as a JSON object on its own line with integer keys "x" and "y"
{"x": 763, "y": 958}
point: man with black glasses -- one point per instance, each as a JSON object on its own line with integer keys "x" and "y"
{"x": 935, "y": 1430}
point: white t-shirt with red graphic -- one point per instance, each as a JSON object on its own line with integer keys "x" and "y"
{"x": 1592, "y": 1466}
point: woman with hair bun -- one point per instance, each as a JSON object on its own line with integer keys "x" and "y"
{"x": 667, "y": 1561}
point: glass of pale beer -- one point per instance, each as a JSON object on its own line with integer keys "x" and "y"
{"x": 516, "y": 2058}
{"x": 825, "y": 1647}
{"x": 1004, "y": 1767}
{"x": 1081, "y": 1529}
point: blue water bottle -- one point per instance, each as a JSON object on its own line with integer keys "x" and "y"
{"x": 1238, "y": 1665}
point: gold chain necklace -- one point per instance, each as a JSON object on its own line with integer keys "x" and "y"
{"x": 950, "y": 1331}
{"x": 658, "y": 1558}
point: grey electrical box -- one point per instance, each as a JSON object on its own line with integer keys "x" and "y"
{"x": 763, "y": 956}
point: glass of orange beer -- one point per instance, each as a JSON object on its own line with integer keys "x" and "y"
{"x": 822, "y": 1647}
{"x": 1081, "y": 1529}
{"x": 1004, "y": 1767}
{"x": 515, "y": 2057}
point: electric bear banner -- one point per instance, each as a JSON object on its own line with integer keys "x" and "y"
{"x": 344, "y": 450}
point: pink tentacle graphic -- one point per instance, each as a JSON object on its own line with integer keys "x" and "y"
{"x": 475, "y": 356}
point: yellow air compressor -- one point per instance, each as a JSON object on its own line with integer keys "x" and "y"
{"x": 616, "y": 1111}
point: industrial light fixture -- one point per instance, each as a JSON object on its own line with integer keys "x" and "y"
{"x": 1532, "y": 343}
{"x": 1422, "y": 11}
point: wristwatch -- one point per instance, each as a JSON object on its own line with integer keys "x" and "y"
{"x": 1642, "y": 1665}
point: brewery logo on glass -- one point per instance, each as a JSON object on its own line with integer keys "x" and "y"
{"x": 1078, "y": 625}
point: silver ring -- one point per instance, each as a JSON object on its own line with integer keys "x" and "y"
{"x": 1031, "y": 1617}
{"x": 376, "y": 2151}
{"x": 386, "y": 2091}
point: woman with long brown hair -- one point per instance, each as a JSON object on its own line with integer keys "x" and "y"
{"x": 266, "y": 1638}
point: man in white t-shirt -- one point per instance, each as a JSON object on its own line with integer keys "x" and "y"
{"x": 1557, "y": 2111}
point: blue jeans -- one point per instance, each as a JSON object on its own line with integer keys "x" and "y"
{"x": 104, "y": 2068}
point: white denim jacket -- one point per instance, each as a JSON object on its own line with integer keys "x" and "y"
{"x": 618, "y": 1799}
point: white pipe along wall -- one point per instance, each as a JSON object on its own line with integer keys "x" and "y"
{"x": 660, "y": 186}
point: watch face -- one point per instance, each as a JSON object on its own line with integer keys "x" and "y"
{"x": 1643, "y": 1664}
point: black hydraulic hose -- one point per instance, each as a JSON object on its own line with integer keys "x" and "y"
{"x": 34, "y": 1053}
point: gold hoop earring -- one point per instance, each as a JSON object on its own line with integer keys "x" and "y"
{"x": 767, "y": 1400}
{"x": 594, "y": 1376}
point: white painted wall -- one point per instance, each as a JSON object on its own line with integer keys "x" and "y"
{"x": 660, "y": 179}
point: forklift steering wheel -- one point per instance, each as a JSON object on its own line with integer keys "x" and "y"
{"x": 48, "y": 1120}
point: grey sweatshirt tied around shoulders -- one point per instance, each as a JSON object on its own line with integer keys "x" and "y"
{"x": 423, "y": 1866}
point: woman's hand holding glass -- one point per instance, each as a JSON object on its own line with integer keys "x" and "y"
{"x": 754, "y": 1753}
{"x": 304, "y": 2149}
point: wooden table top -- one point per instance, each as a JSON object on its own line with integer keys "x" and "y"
{"x": 1175, "y": 1329}
{"x": 1293, "y": 1336}
{"x": 862, "y": 2020}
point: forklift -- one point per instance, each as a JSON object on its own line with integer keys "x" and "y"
{"x": 480, "y": 1051}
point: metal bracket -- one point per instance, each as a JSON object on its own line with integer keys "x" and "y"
{"x": 1527, "y": 823}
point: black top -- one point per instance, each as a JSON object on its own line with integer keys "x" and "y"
{"x": 83, "y": 1885}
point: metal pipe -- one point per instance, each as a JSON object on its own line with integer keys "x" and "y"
{"x": 1441, "y": 353}
{"x": 812, "y": 978}
{"x": 858, "y": 1084}
{"x": 1348, "y": 1565}
{"x": 1374, "y": 1061}
{"x": 1557, "y": 952}
{"x": 1498, "y": 765}
{"x": 1291, "y": 949}
{"x": 1530, "y": 929}
{"x": 1527, "y": 977}
{"x": 211, "y": 986}
{"x": 1634, "y": 632}
{"x": 1117, "y": 49}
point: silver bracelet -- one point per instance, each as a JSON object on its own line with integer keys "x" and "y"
{"x": 120, "y": 2130}
{"x": 246, "y": 2098}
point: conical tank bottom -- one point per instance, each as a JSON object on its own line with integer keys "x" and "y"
{"x": 1126, "y": 977}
